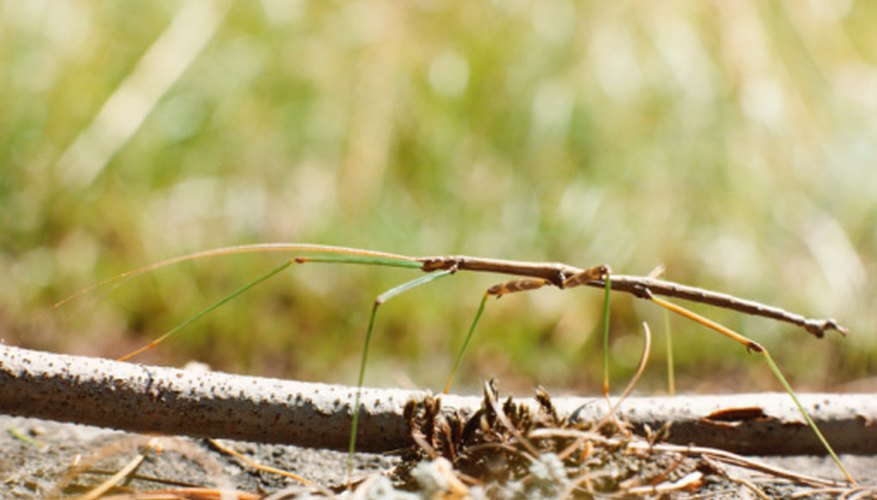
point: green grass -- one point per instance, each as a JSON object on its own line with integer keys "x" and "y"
{"x": 734, "y": 144}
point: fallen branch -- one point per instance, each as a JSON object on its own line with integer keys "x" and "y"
{"x": 142, "y": 398}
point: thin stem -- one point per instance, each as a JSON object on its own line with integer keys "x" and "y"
{"x": 121, "y": 474}
{"x": 259, "y": 466}
{"x": 641, "y": 367}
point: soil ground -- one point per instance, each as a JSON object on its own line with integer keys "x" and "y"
{"x": 34, "y": 469}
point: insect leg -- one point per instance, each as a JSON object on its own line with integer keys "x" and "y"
{"x": 519, "y": 285}
{"x": 389, "y": 294}
{"x": 207, "y": 310}
{"x": 754, "y": 346}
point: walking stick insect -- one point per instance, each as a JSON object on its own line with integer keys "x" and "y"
{"x": 528, "y": 276}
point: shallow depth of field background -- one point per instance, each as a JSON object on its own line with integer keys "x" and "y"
{"x": 733, "y": 142}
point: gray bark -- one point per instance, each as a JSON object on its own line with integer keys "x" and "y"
{"x": 142, "y": 398}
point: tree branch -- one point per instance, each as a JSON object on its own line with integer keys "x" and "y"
{"x": 165, "y": 400}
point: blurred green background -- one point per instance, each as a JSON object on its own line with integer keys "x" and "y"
{"x": 733, "y": 142}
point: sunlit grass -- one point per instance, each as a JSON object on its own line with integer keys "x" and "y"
{"x": 733, "y": 142}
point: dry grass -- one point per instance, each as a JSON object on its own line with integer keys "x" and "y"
{"x": 733, "y": 142}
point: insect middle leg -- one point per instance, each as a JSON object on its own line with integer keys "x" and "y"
{"x": 520, "y": 285}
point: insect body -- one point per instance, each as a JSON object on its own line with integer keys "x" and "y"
{"x": 528, "y": 276}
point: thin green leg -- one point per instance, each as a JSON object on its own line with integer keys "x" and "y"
{"x": 671, "y": 367}
{"x": 466, "y": 343}
{"x": 389, "y": 294}
{"x": 776, "y": 371}
{"x": 751, "y": 345}
{"x": 607, "y": 292}
{"x": 208, "y": 310}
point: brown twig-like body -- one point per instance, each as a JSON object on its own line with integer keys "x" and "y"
{"x": 551, "y": 273}
{"x": 638, "y": 285}
{"x": 560, "y": 275}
